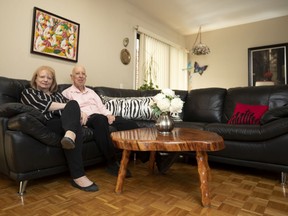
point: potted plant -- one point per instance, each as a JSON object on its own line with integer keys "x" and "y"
{"x": 150, "y": 73}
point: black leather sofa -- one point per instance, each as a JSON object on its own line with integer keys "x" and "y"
{"x": 28, "y": 150}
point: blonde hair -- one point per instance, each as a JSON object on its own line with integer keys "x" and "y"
{"x": 54, "y": 86}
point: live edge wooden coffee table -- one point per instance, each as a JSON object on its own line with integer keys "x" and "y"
{"x": 180, "y": 139}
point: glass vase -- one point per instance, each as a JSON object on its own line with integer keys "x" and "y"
{"x": 164, "y": 123}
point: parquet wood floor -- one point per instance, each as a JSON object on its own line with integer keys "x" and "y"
{"x": 234, "y": 191}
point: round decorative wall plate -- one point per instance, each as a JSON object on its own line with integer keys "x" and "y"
{"x": 125, "y": 56}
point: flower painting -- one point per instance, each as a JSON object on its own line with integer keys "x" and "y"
{"x": 54, "y": 36}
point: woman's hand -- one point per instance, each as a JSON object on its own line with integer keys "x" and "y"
{"x": 56, "y": 106}
{"x": 84, "y": 118}
{"x": 111, "y": 118}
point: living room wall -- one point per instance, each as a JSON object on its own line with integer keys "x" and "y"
{"x": 103, "y": 26}
{"x": 228, "y": 60}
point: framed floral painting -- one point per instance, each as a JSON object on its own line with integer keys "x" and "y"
{"x": 268, "y": 65}
{"x": 54, "y": 36}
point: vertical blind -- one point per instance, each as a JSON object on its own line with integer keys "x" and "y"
{"x": 166, "y": 63}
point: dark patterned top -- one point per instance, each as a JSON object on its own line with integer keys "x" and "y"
{"x": 41, "y": 101}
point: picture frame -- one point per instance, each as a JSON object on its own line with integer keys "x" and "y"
{"x": 267, "y": 65}
{"x": 54, "y": 36}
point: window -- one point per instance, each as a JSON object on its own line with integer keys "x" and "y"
{"x": 160, "y": 63}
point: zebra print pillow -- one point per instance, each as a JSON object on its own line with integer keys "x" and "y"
{"x": 135, "y": 108}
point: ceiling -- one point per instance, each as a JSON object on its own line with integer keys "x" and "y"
{"x": 185, "y": 16}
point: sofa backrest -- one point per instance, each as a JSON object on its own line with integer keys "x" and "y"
{"x": 204, "y": 105}
{"x": 272, "y": 96}
{"x": 117, "y": 92}
{"x": 10, "y": 89}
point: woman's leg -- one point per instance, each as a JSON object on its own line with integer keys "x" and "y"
{"x": 73, "y": 156}
{"x": 71, "y": 117}
{"x": 70, "y": 120}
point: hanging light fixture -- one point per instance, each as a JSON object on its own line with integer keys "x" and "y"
{"x": 200, "y": 48}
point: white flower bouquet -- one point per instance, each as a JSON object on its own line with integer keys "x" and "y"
{"x": 166, "y": 102}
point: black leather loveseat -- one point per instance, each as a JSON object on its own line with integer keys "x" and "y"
{"x": 28, "y": 150}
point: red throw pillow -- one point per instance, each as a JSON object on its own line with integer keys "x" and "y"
{"x": 247, "y": 114}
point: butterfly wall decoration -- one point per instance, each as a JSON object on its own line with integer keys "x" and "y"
{"x": 199, "y": 69}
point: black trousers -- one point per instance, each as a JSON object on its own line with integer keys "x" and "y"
{"x": 70, "y": 120}
{"x": 100, "y": 126}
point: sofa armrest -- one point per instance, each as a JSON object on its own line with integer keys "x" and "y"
{"x": 242, "y": 132}
{"x": 11, "y": 109}
{"x": 274, "y": 114}
{"x": 3, "y": 162}
{"x": 31, "y": 125}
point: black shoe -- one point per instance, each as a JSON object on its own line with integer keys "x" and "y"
{"x": 67, "y": 143}
{"x": 113, "y": 169}
{"x": 92, "y": 188}
{"x": 165, "y": 162}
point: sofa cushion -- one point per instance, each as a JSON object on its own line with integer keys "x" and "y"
{"x": 136, "y": 108}
{"x": 247, "y": 114}
{"x": 204, "y": 105}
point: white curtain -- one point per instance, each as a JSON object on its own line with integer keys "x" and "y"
{"x": 165, "y": 61}
{"x": 178, "y": 71}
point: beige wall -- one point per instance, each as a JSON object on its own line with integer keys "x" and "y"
{"x": 228, "y": 61}
{"x": 103, "y": 26}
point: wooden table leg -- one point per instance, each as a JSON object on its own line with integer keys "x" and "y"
{"x": 204, "y": 174}
{"x": 152, "y": 162}
{"x": 122, "y": 171}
